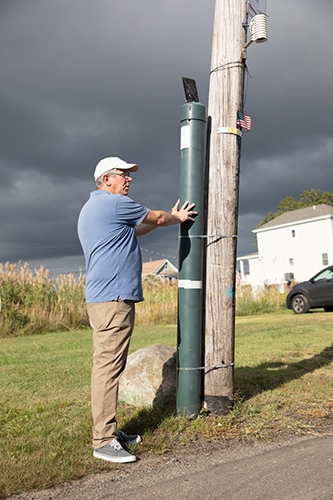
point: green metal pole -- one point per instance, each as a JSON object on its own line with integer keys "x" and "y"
{"x": 189, "y": 376}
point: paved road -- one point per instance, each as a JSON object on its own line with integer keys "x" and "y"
{"x": 299, "y": 470}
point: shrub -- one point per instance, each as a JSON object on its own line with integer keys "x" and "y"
{"x": 264, "y": 300}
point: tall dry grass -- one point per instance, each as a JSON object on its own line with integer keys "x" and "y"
{"x": 33, "y": 302}
{"x": 160, "y": 304}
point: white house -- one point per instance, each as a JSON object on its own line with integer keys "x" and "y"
{"x": 296, "y": 245}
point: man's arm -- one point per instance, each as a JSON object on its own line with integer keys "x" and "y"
{"x": 159, "y": 218}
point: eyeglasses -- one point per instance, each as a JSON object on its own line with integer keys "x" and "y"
{"x": 123, "y": 174}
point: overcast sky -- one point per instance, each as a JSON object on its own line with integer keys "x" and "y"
{"x": 82, "y": 79}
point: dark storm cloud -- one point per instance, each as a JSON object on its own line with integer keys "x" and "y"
{"x": 83, "y": 80}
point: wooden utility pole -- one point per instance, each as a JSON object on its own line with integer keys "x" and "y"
{"x": 222, "y": 182}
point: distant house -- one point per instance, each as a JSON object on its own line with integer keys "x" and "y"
{"x": 294, "y": 246}
{"x": 162, "y": 268}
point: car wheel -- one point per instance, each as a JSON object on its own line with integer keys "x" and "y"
{"x": 300, "y": 304}
{"x": 328, "y": 309}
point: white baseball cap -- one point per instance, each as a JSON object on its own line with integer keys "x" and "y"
{"x": 113, "y": 162}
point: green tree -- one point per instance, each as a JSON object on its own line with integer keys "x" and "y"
{"x": 310, "y": 198}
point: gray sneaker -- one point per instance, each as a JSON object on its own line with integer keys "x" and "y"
{"x": 128, "y": 440}
{"x": 114, "y": 452}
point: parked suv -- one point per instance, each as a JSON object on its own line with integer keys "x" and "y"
{"x": 317, "y": 292}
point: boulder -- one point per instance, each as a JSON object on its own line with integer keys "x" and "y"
{"x": 150, "y": 376}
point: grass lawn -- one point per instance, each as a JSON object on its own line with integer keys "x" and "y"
{"x": 283, "y": 386}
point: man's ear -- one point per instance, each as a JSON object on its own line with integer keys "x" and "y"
{"x": 107, "y": 179}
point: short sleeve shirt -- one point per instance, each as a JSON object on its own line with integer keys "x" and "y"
{"x": 106, "y": 229}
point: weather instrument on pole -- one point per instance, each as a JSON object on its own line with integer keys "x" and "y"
{"x": 258, "y": 22}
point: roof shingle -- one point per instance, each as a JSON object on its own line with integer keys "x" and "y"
{"x": 298, "y": 216}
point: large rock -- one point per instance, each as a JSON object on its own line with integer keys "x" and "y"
{"x": 150, "y": 376}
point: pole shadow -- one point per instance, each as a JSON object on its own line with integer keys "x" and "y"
{"x": 250, "y": 381}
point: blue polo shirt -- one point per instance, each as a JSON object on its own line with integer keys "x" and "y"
{"x": 106, "y": 229}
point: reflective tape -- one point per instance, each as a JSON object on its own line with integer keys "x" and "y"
{"x": 190, "y": 284}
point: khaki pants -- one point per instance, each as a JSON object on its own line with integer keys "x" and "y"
{"x": 113, "y": 324}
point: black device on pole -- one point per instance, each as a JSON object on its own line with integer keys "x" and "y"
{"x": 190, "y": 89}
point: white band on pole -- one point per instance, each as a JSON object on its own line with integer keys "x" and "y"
{"x": 229, "y": 130}
{"x": 190, "y": 284}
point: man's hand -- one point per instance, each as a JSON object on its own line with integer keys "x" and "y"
{"x": 158, "y": 218}
{"x": 175, "y": 208}
{"x": 185, "y": 212}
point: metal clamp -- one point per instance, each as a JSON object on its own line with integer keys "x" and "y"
{"x": 207, "y": 367}
{"x": 208, "y": 236}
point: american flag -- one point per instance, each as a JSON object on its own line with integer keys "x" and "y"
{"x": 244, "y": 121}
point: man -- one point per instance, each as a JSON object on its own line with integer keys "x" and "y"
{"x": 107, "y": 227}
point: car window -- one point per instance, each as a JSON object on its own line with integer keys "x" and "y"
{"x": 325, "y": 275}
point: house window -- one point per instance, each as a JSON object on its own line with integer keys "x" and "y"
{"x": 324, "y": 258}
{"x": 291, "y": 262}
{"x": 293, "y": 233}
{"x": 245, "y": 268}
